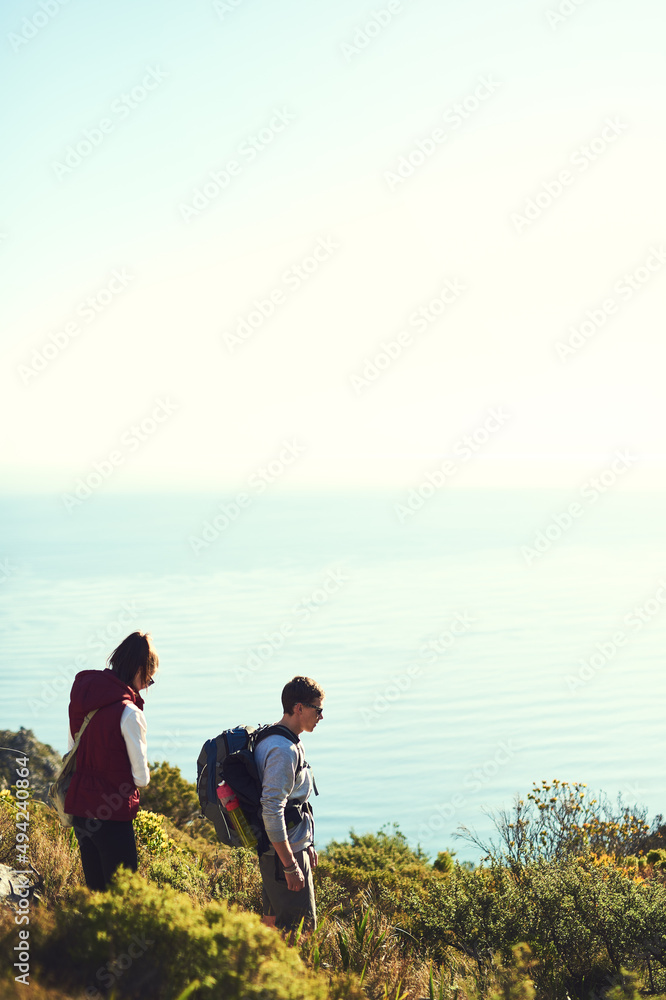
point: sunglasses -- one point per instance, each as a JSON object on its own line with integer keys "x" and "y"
{"x": 318, "y": 710}
{"x": 150, "y": 682}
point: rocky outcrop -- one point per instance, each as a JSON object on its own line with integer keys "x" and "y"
{"x": 43, "y": 764}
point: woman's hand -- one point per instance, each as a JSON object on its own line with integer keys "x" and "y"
{"x": 314, "y": 857}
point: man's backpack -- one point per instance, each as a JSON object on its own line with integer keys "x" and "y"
{"x": 230, "y": 757}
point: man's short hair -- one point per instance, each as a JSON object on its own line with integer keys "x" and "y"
{"x": 299, "y": 689}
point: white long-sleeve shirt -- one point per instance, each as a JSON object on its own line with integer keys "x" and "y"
{"x": 133, "y": 727}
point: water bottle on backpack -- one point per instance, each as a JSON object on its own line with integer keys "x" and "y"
{"x": 229, "y": 800}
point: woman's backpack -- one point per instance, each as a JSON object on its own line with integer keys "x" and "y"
{"x": 58, "y": 789}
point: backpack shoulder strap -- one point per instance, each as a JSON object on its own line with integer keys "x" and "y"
{"x": 69, "y": 760}
{"x": 77, "y": 738}
{"x": 278, "y": 730}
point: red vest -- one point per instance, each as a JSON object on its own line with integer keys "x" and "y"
{"x": 102, "y": 786}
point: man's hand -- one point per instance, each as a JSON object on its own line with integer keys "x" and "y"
{"x": 314, "y": 857}
{"x": 295, "y": 880}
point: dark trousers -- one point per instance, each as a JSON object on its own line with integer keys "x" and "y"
{"x": 105, "y": 844}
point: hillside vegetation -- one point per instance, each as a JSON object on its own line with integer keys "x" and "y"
{"x": 570, "y": 902}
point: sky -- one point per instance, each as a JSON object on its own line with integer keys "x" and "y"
{"x": 365, "y": 234}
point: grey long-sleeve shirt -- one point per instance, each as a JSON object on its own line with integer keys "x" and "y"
{"x": 277, "y": 761}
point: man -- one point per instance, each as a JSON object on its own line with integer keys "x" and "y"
{"x": 287, "y": 783}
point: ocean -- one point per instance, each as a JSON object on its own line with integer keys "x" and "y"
{"x": 467, "y": 648}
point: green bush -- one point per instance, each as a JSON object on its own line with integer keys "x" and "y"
{"x": 181, "y": 874}
{"x": 444, "y": 862}
{"x": 583, "y": 919}
{"x": 170, "y": 794}
{"x": 373, "y": 851}
{"x": 238, "y": 880}
{"x": 147, "y": 942}
{"x": 382, "y": 862}
{"x": 152, "y": 840}
{"x": 162, "y": 861}
{"x": 514, "y": 981}
{"x": 476, "y": 913}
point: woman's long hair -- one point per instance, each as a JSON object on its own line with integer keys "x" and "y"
{"x": 134, "y": 653}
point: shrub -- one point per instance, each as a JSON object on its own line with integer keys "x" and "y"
{"x": 372, "y": 851}
{"x": 181, "y": 874}
{"x": 164, "y": 862}
{"x": 152, "y": 943}
{"x": 560, "y": 818}
{"x": 583, "y": 919}
{"x": 238, "y": 880}
{"x": 444, "y": 862}
{"x": 170, "y": 794}
{"x": 513, "y": 981}
{"x": 152, "y": 840}
{"x": 475, "y": 913}
{"x": 382, "y": 862}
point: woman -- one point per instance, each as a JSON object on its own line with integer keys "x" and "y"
{"x": 111, "y": 761}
